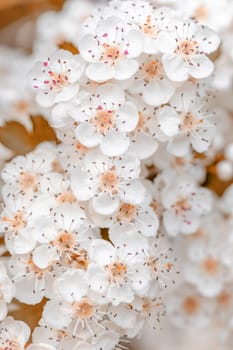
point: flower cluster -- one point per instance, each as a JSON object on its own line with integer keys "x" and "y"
{"x": 90, "y": 222}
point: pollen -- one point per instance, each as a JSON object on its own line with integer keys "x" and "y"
{"x": 104, "y": 120}
{"x": 84, "y": 309}
{"x": 127, "y": 211}
{"x": 117, "y": 272}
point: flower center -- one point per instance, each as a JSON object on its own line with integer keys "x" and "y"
{"x": 189, "y": 122}
{"x": 112, "y": 54}
{"x": 11, "y": 345}
{"x": 104, "y": 120}
{"x": 28, "y": 181}
{"x": 76, "y": 260}
{"x": 108, "y": 182}
{"x": 36, "y": 270}
{"x": 190, "y": 305}
{"x": 182, "y": 205}
{"x": 57, "y": 81}
{"x": 65, "y": 241}
{"x": 17, "y": 221}
{"x": 84, "y": 309}
{"x": 224, "y": 299}
{"x": 187, "y": 48}
{"x": 210, "y": 266}
{"x": 151, "y": 70}
{"x": 127, "y": 211}
{"x": 66, "y": 197}
{"x": 117, "y": 272}
{"x": 149, "y": 29}
{"x": 81, "y": 148}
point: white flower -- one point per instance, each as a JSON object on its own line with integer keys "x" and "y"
{"x": 117, "y": 272}
{"x": 31, "y": 282}
{"x": 23, "y": 173}
{"x": 22, "y": 221}
{"x": 149, "y": 20}
{"x": 151, "y": 81}
{"x": 186, "y": 308}
{"x": 184, "y": 203}
{"x": 105, "y": 119}
{"x": 13, "y": 334}
{"x": 67, "y": 240}
{"x": 105, "y": 181}
{"x": 7, "y": 291}
{"x": 56, "y": 79}
{"x": 187, "y": 121}
{"x": 185, "y": 48}
{"x": 112, "y": 50}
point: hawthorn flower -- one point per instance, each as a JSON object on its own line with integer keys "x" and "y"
{"x": 105, "y": 181}
{"x": 186, "y": 121}
{"x": 7, "y": 291}
{"x": 187, "y": 308}
{"x": 56, "y": 79}
{"x": 32, "y": 283}
{"x": 117, "y": 272}
{"x": 184, "y": 204}
{"x": 77, "y": 310}
{"x": 151, "y": 81}
{"x": 13, "y": 334}
{"x": 112, "y": 51}
{"x": 67, "y": 240}
{"x": 105, "y": 118}
{"x": 185, "y": 49}
{"x": 149, "y": 20}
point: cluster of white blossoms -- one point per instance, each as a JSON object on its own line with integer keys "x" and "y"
{"x": 136, "y": 93}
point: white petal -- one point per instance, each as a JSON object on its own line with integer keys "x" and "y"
{"x": 169, "y": 121}
{"x": 133, "y": 192}
{"x": 179, "y": 145}
{"x": 175, "y": 67}
{"x": 102, "y": 252}
{"x": 114, "y": 144}
{"x": 100, "y": 72}
{"x": 127, "y": 117}
{"x": 82, "y": 185}
{"x": 125, "y": 69}
{"x": 201, "y": 68}
{"x": 158, "y": 92}
{"x": 105, "y": 204}
{"x": 87, "y": 135}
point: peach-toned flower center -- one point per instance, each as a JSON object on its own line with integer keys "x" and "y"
{"x": 187, "y": 48}
{"x": 28, "y": 181}
{"x": 224, "y": 299}
{"x": 182, "y": 205}
{"x": 112, "y": 54}
{"x": 149, "y": 29}
{"x": 210, "y": 266}
{"x": 36, "y": 270}
{"x": 77, "y": 260}
{"x": 11, "y": 345}
{"x": 57, "y": 167}
{"x": 126, "y": 211}
{"x": 57, "y": 81}
{"x": 190, "y": 305}
{"x": 151, "y": 70}
{"x": 117, "y": 271}
{"x": 189, "y": 122}
{"x": 104, "y": 120}
{"x": 17, "y": 221}
{"x": 64, "y": 241}
{"x": 66, "y": 197}
{"x": 109, "y": 181}
{"x": 84, "y": 309}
